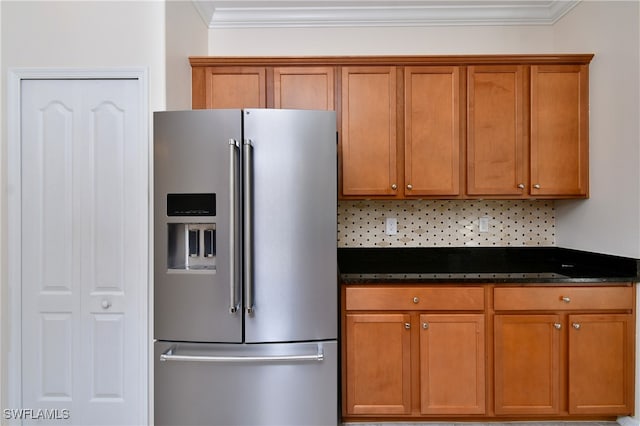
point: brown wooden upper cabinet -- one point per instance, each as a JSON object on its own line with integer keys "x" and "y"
{"x": 496, "y": 161}
{"x": 304, "y": 88}
{"x": 369, "y": 150}
{"x": 559, "y": 130}
{"x": 372, "y": 160}
{"x": 229, "y": 87}
{"x": 264, "y": 87}
{"x": 477, "y": 126}
{"x": 504, "y": 158}
{"x": 432, "y": 140}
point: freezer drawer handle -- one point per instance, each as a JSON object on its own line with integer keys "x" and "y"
{"x": 233, "y": 228}
{"x": 169, "y": 355}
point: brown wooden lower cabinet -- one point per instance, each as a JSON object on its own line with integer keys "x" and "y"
{"x": 527, "y": 364}
{"x": 378, "y": 355}
{"x": 601, "y": 363}
{"x": 452, "y": 364}
{"x": 404, "y": 358}
{"x": 522, "y": 352}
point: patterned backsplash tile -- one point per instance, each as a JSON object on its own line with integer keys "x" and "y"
{"x": 447, "y": 223}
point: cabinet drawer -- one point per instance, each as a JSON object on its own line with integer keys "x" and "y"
{"x": 562, "y": 298}
{"x": 414, "y": 298}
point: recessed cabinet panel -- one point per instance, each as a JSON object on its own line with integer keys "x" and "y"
{"x": 495, "y": 139}
{"x": 432, "y": 131}
{"x": 304, "y": 88}
{"x": 369, "y": 131}
{"x": 559, "y": 130}
{"x": 527, "y": 364}
{"x": 601, "y": 364}
{"x": 378, "y": 348}
{"x": 452, "y": 381}
{"x": 236, "y": 87}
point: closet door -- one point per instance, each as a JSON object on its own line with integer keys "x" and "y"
{"x": 84, "y": 255}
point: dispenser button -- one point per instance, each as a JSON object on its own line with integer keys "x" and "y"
{"x": 209, "y": 242}
{"x": 194, "y": 242}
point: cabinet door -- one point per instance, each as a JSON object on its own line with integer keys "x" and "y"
{"x": 378, "y": 352}
{"x": 369, "y": 131}
{"x": 304, "y": 88}
{"x": 452, "y": 379}
{"x": 527, "y": 364}
{"x": 432, "y": 131}
{"x": 559, "y": 130}
{"x": 601, "y": 377}
{"x": 234, "y": 87}
{"x": 495, "y": 138}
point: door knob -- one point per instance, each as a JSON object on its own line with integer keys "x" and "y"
{"x": 105, "y": 304}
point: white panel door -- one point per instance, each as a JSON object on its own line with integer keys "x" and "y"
{"x": 84, "y": 251}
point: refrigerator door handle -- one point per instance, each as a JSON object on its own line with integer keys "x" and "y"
{"x": 234, "y": 278}
{"x": 170, "y": 355}
{"x": 248, "y": 226}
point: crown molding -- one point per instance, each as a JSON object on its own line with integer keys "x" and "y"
{"x": 380, "y": 13}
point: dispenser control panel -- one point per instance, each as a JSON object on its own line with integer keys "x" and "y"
{"x": 191, "y": 246}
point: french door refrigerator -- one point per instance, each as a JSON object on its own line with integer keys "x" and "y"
{"x": 245, "y": 291}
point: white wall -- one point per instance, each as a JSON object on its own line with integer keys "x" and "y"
{"x": 186, "y": 35}
{"x": 381, "y": 41}
{"x": 609, "y": 221}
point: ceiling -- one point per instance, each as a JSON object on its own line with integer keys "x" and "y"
{"x": 397, "y": 13}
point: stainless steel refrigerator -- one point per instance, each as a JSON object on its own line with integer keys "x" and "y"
{"x": 245, "y": 292}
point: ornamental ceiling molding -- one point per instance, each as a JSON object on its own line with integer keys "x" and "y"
{"x": 380, "y": 13}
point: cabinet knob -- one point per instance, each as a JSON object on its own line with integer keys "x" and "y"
{"x": 394, "y": 186}
{"x": 409, "y": 186}
{"x": 105, "y": 304}
{"x": 416, "y": 299}
{"x": 521, "y": 185}
{"x": 566, "y": 299}
{"x": 557, "y": 325}
{"x": 576, "y": 325}
{"x": 407, "y": 325}
{"x": 536, "y": 186}
{"x": 425, "y": 325}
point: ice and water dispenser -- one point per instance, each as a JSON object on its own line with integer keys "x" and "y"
{"x": 191, "y": 242}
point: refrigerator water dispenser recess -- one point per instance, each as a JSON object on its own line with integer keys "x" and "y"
{"x": 192, "y": 246}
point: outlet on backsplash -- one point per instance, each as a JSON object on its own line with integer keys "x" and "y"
{"x": 446, "y": 223}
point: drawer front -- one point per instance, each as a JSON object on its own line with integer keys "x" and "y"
{"x": 414, "y": 298}
{"x": 562, "y": 298}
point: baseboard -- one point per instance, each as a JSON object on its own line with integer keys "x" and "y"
{"x": 628, "y": 421}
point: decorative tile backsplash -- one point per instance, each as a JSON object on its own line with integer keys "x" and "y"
{"x": 447, "y": 223}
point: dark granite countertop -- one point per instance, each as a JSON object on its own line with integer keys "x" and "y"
{"x": 483, "y": 265}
